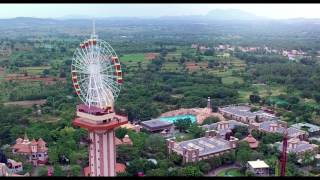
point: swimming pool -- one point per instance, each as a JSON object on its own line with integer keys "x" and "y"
{"x": 172, "y": 119}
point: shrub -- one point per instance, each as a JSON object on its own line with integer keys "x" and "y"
{"x": 210, "y": 120}
{"x": 204, "y": 167}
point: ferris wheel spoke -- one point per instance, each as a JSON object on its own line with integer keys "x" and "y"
{"x": 108, "y": 96}
{"x": 83, "y": 91}
{"x": 90, "y": 54}
{"x": 81, "y": 62}
{"x": 80, "y": 69}
{"x": 109, "y": 48}
{"x": 109, "y": 76}
{"x": 84, "y": 86}
{"x": 106, "y": 51}
{"x": 97, "y": 90}
{"x": 107, "y": 54}
{"x": 111, "y": 92}
{"x": 107, "y": 91}
{"x": 88, "y": 98}
{"x": 95, "y": 49}
{"x": 79, "y": 58}
{"x": 112, "y": 86}
{"x": 82, "y": 57}
{"x": 83, "y": 79}
{"x": 105, "y": 69}
{"x": 86, "y": 52}
{"x": 80, "y": 66}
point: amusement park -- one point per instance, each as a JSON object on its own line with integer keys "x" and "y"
{"x": 136, "y": 98}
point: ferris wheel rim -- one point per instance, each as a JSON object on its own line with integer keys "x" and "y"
{"x": 100, "y": 75}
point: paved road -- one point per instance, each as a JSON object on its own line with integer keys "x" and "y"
{"x": 34, "y": 171}
{"x": 215, "y": 172}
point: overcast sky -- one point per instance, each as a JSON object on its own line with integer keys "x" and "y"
{"x": 276, "y": 11}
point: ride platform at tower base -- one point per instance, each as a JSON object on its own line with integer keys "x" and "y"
{"x": 100, "y": 124}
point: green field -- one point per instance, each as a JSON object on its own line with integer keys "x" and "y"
{"x": 221, "y": 73}
{"x": 262, "y": 90}
{"x": 137, "y": 57}
{"x": 36, "y": 70}
{"x": 171, "y": 66}
{"x": 230, "y": 80}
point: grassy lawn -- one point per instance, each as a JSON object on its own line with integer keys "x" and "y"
{"x": 262, "y": 89}
{"x": 171, "y": 66}
{"x": 244, "y": 95}
{"x": 181, "y": 136}
{"x": 230, "y": 172}
{"x": 36, "y": 70}
{"x": 275, "y": 90}
{"x": 136, "y": 57}
{"x": 221, "y": 73}
{"x": 171, "y": 55}
{"x": 231, "y": 80}
{"x": 237, "y": 62}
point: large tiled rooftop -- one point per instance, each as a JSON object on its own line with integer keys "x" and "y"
{"x": 300, "y": 147}
{"x": 232, "y": 124}
{"x": 245, "y": 111}
{"x": 291, "y": 130}
{"x": 205, "y": 145}
{"x": 311, "y": 127}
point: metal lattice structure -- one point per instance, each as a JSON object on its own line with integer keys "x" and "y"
{"x": 96, "y": 73}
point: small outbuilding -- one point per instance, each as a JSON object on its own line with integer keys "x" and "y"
{"x": 258, "y": 167}
{"x": 253, "y": 143}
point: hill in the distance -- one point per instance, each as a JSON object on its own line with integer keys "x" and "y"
{"x": 232, "y": 14}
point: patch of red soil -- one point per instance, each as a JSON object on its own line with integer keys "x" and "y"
{"x": 151, "y": 56}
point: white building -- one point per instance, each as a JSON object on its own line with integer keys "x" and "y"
{"x": 258, "y": 167}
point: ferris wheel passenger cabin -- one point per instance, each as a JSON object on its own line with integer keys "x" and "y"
{"x": 118, "y": 72}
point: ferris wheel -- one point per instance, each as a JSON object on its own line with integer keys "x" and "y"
{"x": 96, "y": 73}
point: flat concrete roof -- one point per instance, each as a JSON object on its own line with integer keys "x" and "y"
{"x": 155, "y": 123}
{"x": 258, "y": 164}
{"x": 205, "y": 145}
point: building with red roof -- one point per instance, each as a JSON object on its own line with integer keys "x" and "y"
{"x": 126, "y": 140}
{"x": 35, "y": 150}
{"x": 253, "y": 143}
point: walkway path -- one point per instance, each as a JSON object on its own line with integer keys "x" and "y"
{"x": 215, "y": 172}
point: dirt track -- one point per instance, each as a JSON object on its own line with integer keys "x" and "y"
{"x": 26, "y": 103}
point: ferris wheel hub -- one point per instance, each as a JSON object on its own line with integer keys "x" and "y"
{"x": 94, "y": 69}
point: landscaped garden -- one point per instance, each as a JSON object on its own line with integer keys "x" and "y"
{"x": 230, "y": 172}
